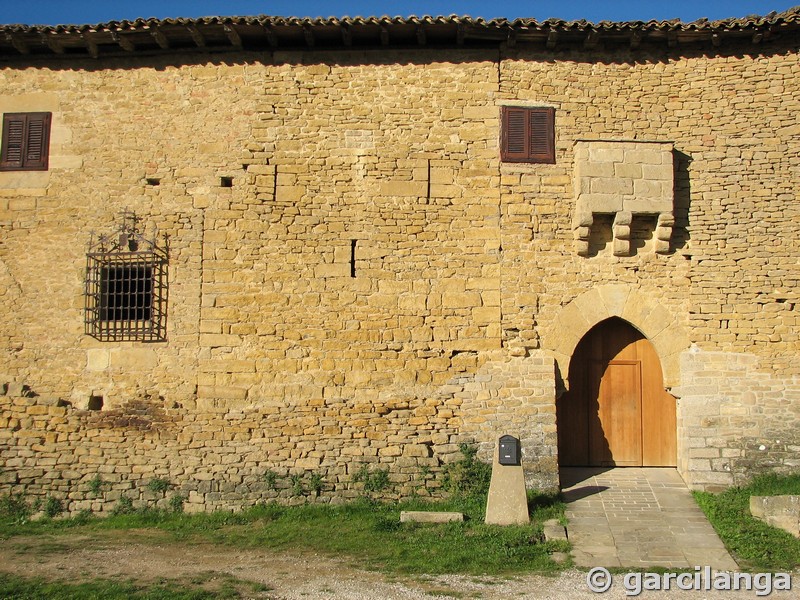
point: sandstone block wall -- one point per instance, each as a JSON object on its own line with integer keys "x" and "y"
{"x": 735, "y": 419}
{"x": 354, "y": 276}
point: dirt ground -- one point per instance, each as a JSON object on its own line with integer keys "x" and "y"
{"x": 137, "y": 556}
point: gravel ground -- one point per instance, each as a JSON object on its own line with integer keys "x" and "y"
{"x": 292, "y": 576}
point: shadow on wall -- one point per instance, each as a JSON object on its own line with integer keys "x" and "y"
{"x": 683, "y": 200}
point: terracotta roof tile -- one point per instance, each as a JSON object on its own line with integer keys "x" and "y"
{"x": 220, "y": 33}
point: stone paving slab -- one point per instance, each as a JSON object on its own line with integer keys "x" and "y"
{"x": 638, "y": 517}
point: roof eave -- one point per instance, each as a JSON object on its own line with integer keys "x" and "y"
{"x": 259, "y": 33}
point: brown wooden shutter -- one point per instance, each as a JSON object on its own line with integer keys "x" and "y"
{"x": 542, "y": 135}
{"x": 26, "y": 141}
{"x": 514, "y": 134}
{"x": 527, "y": 135}
{"x": 13, "y": 141}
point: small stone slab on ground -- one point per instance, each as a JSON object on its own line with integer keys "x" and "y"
{"x": 553, "y": 530}
{"x": 423, "y": 516}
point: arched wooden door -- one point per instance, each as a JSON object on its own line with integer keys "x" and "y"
{"x": 616, "y": 412}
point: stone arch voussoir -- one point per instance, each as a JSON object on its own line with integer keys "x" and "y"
{"x": 641, "y": 309}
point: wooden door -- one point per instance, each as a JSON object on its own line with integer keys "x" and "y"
{"x": 616, "y": 412}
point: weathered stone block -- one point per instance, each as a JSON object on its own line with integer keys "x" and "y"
{"x": 218, "y": 340}
{"x": 417, "y": 189}
{"x": 418, "y": 516}
{"x": 134, "y": 359}
{"x": 332, "y": 270}
{"x": 98, "y": 359}
{"x": 779, "y": 511}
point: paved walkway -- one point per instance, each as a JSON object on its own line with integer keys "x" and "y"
{"x": 638, "y": 517}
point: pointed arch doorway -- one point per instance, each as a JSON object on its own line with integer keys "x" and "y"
{"x": 616, "y": 412}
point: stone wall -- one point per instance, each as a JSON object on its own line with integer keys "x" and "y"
{"x": 229, "y": 458}
{"x": 355, "y": 277}
{"x": 736, "y": 419}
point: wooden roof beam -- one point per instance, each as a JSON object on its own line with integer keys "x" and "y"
{"x": 123, "y": 41}
{"x": 18, "y": 43}
{"x": 309, "y": 35}
{"x": 50, "y": 41}
{"x": 91, "y": 45}
{"x": 160, "y": 39}
{"x": 672, "y": 39}
{"x": 422, "y": 37}
{"x": 461, "y": 34}
{"x": 272, "y": 39}
{"x": 347, "y": 35}
{"x": 198, "y": 38}
{"x": 233, "y": 36}
{"x": 511, "y": 38}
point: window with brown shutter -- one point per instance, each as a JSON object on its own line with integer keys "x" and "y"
{"x": 26, "y": 141}
{"x": 528, "y": 135}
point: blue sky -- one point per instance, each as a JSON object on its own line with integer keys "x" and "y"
{"x": 52, "y": 12}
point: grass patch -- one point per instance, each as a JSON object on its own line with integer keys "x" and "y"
{"x": 206, "y": 586}
{"x": 755, "y": 545}
{"x": 368, "y": 533}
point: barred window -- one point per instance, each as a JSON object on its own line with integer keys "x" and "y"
{"x": 126, "y": 289}
{"x": 126, "y": 292}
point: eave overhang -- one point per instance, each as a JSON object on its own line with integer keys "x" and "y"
{"x": 265, "y": 33}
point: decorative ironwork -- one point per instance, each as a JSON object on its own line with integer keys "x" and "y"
{"x": 126, "y": 285}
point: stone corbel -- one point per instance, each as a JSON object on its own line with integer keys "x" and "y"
{"x": 582, "y": 226}
{"x": 622, "y": 233}
{"x": 663, "y": 233}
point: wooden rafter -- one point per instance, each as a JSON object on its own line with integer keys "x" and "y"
{"x": 51, "y": 42}
{"x": 309, "y": 35}
{"x": 511, "y": 38}
{"x": 272, "y": 39}
{"x": 347, "y": 35}
{"x": 591, "y": 41}
{"x": 91, "y": 44}
{"x": 197, "y": 37}
{"x": 124, "y": 42}
{"x": 233, "y": 35}
{"x": 18, "y": 43}
{"x": 461, "y": 34}
{"x": 160, "y": 39}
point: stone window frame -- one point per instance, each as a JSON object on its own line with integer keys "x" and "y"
{"x": 527, "y": 133}
{"x": 26, "y": 141}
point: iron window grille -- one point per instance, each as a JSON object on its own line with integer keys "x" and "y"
{"x": 126, "y": 286}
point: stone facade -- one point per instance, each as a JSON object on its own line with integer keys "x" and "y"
{"x": 355, "y": 278}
